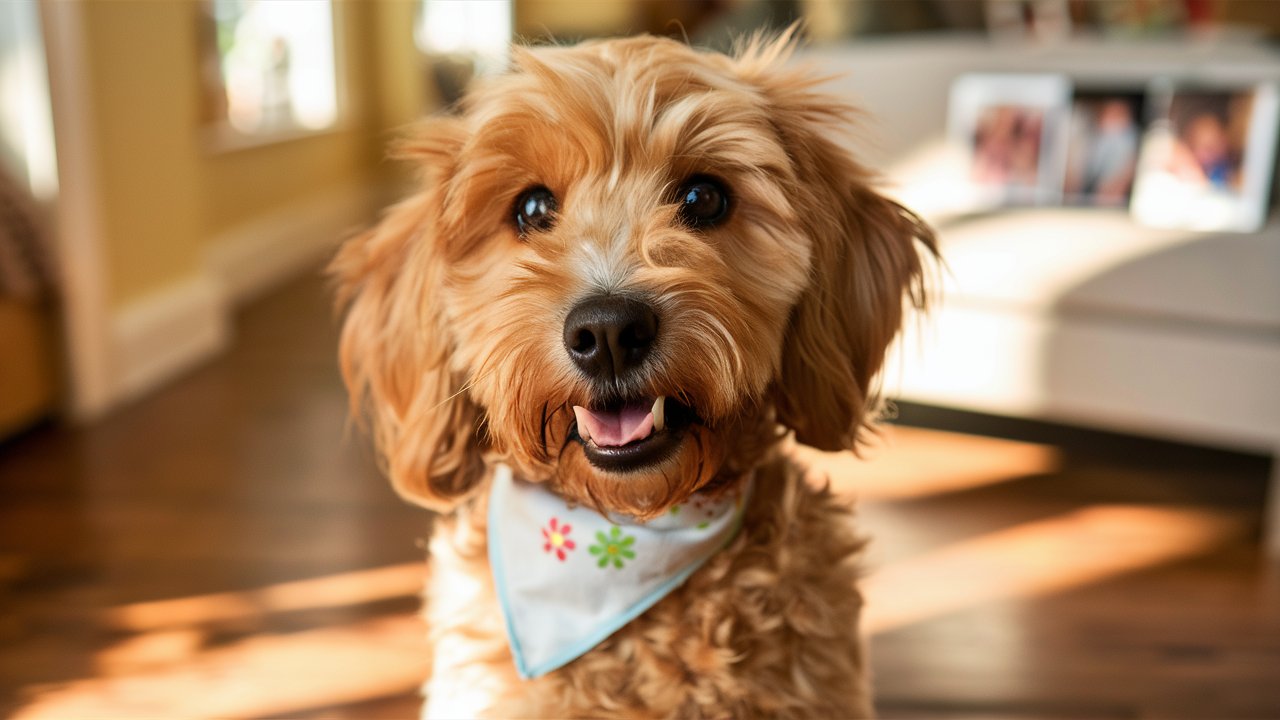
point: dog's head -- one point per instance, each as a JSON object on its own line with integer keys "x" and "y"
{"x": 631, "y": 268}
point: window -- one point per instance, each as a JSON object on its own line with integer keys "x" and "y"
{"x": 271, "y": 67}
{"x": 479, "y": 30}
{"x": 26, "y": 126}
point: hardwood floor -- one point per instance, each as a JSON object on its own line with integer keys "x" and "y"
{"x": 227, "y": 548}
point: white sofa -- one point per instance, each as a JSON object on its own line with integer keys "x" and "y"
{"x": 1076, "y": 315}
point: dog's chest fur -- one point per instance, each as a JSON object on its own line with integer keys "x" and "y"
{"x": 767, "y": 628}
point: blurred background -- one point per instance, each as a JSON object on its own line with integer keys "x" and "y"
{"x": 1074, "y": 508}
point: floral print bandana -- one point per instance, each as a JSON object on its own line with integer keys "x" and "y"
{"x": 567, "y": 577}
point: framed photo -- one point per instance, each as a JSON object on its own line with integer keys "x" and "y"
{"x": 1013, "y": 131}
{"x": 1104, "y": 135}
{"x": 1206, "y": 162}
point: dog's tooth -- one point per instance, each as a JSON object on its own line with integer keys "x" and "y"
{"x": 660, "y": 413}
{"x": 583, "y": 431}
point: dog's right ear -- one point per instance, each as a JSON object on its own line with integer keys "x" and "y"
{"x": 396, "y": 345}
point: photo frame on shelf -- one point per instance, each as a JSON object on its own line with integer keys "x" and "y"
{"x": 1012, "y": 130}
{"x": 1206, "y": 161}
{"x": 1103, "y": 139}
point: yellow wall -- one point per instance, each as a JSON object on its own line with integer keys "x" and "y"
{"x": 166, "y": 191}
{"x": 400, "y": 83}
{"x": 143, "y": 74}
{"x": 573, "y": 18}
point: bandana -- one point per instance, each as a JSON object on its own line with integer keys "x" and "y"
{"x": 567, "y": 577}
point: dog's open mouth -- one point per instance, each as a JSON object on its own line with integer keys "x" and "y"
{"x": 631, "y": 434}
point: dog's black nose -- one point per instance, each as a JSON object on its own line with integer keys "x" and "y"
{"x": 608, "y": 336}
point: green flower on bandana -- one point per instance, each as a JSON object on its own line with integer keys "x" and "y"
{"x": 613, "y": 548}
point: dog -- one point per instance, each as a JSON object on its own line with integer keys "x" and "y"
{"x": 634, "y": 275}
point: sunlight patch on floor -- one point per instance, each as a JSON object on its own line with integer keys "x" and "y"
{"x": 905, "y": 463}
{"x": 264, "y": 675}
{"x": 172, "y": 664}
{"x": 338, "y": 590}
{"x": 1038, "y": 558}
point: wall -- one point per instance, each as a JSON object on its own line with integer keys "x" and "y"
{"x": 141, "y": 62}
{"x": 534, "y": 19}
{"x": 188, "y": 225}
{"x": 244, "y": 183}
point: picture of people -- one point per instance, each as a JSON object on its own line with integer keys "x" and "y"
{"x": 1011, "y": 130}
{"x": 1006, "y": 146}
{"x": 1206, "y": 160}
{"x": 1102, "y": 154}
{"x": 1210, "y": 132}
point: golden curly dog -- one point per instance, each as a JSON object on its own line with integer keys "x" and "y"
{"x": 671, "y": 249}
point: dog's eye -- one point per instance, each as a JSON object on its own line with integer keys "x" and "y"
{"x": 703, "y": 202}
{"x": 535, "y": 210}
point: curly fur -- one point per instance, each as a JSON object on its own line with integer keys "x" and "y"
{"x": 775, "y": 321}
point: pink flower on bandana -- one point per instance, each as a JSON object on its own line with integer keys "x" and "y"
{"x": 557, "y": 538}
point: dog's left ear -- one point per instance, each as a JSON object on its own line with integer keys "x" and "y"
{"x": 866, "y": 259}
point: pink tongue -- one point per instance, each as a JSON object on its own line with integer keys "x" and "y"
{"x": 614, "y": 428}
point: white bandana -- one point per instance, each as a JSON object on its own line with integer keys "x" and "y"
{"x": 567, "y": 578}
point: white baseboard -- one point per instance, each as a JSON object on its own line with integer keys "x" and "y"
{"x": 167, "y": 333}
{"x": 252, "y": 258}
